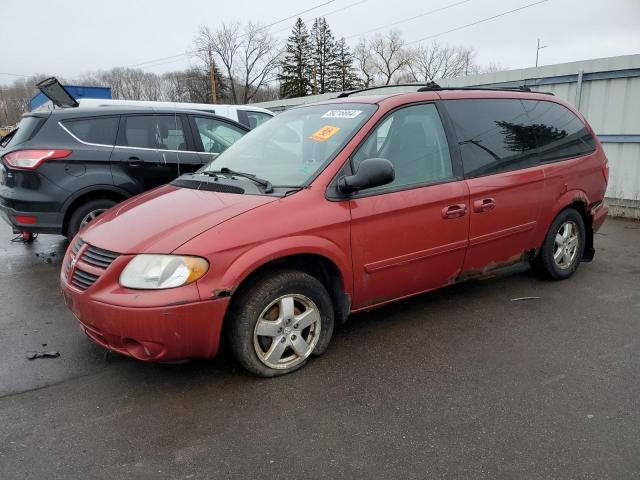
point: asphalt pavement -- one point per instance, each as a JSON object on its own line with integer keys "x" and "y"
{"x": 459, "y": 383}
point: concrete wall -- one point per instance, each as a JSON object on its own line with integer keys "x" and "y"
{"x": 605, "y": 90}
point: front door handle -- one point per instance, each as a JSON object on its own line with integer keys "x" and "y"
{"x": 484, "y": 205}
{"x": 454, "y": 211}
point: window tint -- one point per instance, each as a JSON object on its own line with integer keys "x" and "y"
{"x": 559, "y": 133}
{"x": 413, "y": 140}
{"x": 163, "y": 132}
{"x": 216, "y": 135}
{"x": 101, "y": 130}
{"x": 498, "y": 135}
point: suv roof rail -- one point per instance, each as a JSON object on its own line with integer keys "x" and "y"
{"x": 434, "y": 87}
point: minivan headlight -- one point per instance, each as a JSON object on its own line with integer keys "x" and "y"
{"x": 154, "y": 272}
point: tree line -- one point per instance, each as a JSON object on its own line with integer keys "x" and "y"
{"x": 241, "y": 64}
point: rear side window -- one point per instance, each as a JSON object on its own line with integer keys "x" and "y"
{"x": 499, "y": 135}
{"x": 559, "y": 133}
{"x": 27, "y": 128}
{"x": 99, "y": 130}
{"x": 162, "y": 132}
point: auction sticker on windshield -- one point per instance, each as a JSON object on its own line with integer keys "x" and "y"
{"x": 342, "y": 114}
{"x": 325, "y": 133}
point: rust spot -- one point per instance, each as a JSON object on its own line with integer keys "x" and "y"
{"x": 491, "y": 267}
{"x": 221, "y": 293}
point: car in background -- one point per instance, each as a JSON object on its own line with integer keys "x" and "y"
{"x": 62, "y": 168}
{"x": 335, "y": 208}
{"x": 247, "y": 115}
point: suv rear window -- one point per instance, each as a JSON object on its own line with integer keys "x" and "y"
{"x": 26, "y": 130}
{"x": 163, "y": 132}
{"x": 499, "y": 135}
{"x": 99, "y": 130}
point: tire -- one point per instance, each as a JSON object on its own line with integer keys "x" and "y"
{"x": 560, "y": 257}
{"x": 275, "y": 305}
{"x": 79, "y": 216}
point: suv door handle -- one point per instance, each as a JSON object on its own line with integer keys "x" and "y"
{"x": 134, "y": 162}
{"x": 484, "y": 205}
{"x": 454, "y": 211}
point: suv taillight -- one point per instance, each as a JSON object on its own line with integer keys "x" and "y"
{"x": 32, "y": 159}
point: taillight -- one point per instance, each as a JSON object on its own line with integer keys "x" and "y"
{"x": 32, "y": 159}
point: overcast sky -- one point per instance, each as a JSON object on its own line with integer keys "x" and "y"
{"x": 72, "y": 37}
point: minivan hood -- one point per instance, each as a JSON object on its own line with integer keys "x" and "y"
{"x": 161, "y": 220}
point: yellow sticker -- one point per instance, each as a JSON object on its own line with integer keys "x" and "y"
{"x": 325, "y": 133}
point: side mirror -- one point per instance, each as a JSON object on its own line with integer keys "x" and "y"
{"x": 372, "y": 172}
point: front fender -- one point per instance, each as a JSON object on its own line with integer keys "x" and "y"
{"x": 279, "y": 248}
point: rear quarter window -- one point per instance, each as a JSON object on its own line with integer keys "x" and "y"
{"x": 499, "y": 135}
{"x": 27, "y": 129}
{"x": 98, "y": 130}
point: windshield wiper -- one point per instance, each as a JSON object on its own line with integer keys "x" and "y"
{"x": 268, "y": 188}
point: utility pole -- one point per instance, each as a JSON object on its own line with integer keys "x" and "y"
{"x": 538, "y": 51}
{"x": 212, "y": 78}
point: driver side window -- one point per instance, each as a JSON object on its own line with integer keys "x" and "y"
{"x": 413, "y": 140}
{"x": 216, "y": 135}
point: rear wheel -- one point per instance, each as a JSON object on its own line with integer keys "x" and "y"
{"x": 278, "y": 322}
{"x": 563, "y": 247}
{"x": 86, "y": 213}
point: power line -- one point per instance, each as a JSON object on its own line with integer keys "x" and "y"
{"x": 332, "y": 12}
{"x": 479, "y": 21}
{"x": 191, "y": 52}
{"x": 15, "y": 74}
{"x": 408, "y": 19}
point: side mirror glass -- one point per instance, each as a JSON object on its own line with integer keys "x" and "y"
{"x": 372, "y": 172}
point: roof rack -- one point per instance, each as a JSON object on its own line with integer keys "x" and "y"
{"x": 434, "y": 87}
{"x": 423, "y": 85}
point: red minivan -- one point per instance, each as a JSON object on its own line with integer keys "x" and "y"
{"x": 334, "y": 208}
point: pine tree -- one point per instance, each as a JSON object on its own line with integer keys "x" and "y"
{"x": 345, "y": 74}
{"x": 296, "y": 67}
{"x": 325, "y": 57}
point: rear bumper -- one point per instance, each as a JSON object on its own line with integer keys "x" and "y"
{"x": 167, "y": 333}
{"x": 45, "y": 222}
{"x": 598, "y": 214}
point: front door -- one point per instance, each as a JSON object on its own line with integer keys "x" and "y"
{"x": 409, "y": 236}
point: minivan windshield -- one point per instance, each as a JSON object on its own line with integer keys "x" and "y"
{"x": 291, "y": 148}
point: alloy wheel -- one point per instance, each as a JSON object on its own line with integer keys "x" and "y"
{"x": 566, "y": 243}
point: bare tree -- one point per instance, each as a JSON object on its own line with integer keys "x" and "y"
{"x": 365, "y": 63}
{"x": 390, "y": 55}
{"x": 433, "y": 61}
{"x": 249, "y": 56}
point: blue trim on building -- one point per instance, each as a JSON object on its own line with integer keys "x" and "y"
{"x": 619, "y": 138}
{"x": 76, "y": 91}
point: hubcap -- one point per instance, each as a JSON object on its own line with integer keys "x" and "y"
{"x": 89, "y": 217}
{"x": 566, "y": 244}
{"x": 287, "y": 331}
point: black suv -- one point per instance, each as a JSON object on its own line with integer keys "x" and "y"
{"x": 62, "y": 168}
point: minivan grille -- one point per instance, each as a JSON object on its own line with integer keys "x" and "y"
{"x": 82, "y": 279}
{"x": 77, "y": 245}
{"x": 98, "y": 257}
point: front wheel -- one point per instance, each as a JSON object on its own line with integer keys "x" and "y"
{"x": 563, "y": 247}
{"x": 279, "y": 321}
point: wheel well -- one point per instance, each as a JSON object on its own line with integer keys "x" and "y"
{"x": 317, "y": 266}
{"x": 87, "y": 197}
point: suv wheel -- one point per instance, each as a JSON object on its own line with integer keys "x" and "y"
{"x": 279, "y": 321}
{"x": 563, "y": 247}
{"x": 86, "y": 213}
